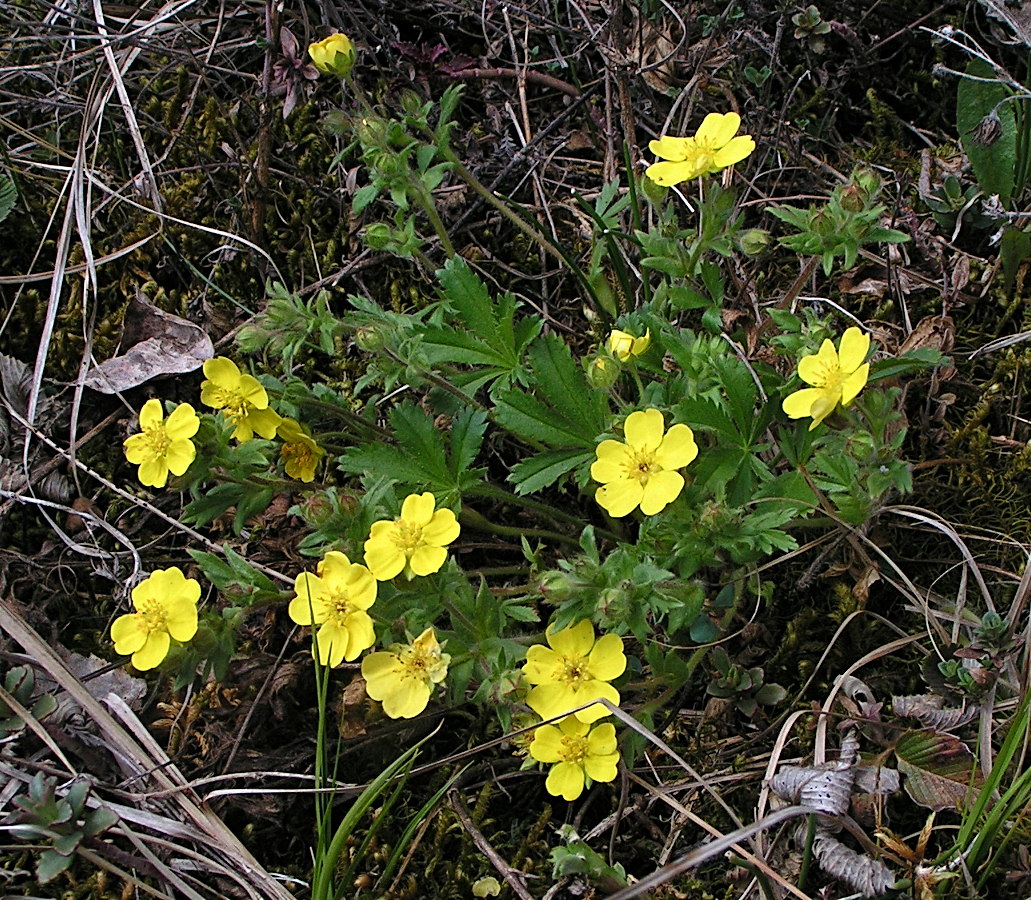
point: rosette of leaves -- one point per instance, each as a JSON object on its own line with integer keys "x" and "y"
{"x": 62, "y": 821}
{"x": 742, "y": 687}
{"x": 20, "y": 685}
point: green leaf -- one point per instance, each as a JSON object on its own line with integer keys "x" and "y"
{"x": 992, "y": 162}
{"x": 938, "y": 769}
{"x": 8, "y": 197}
{"x": 467, "y": 431}
{"x": 363, "y": 197}
{"x": 50, "y": 865}
{"x": 544, "y": 469}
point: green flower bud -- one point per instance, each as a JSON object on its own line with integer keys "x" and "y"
{"x": 378, "y": 236}
{"x": 602, "y": 372}
{"x": 753, "y": 241}
{"x": 371, "y": 338}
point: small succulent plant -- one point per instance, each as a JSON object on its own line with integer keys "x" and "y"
{"x": 743, "y": 687}
{"x": 811, "y": 28}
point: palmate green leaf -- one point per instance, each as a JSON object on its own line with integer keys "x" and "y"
{"x": 420, "y": 458}
{"x": 487, "y": 334}
{"x": 544, "y": 469}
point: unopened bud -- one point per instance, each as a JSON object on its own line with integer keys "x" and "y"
{"x": 753, "y": 241}
{"x": 602, "y": 372}
{"x": 371, "y": 338}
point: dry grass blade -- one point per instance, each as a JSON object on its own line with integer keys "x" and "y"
{"x": 143, "y": 761}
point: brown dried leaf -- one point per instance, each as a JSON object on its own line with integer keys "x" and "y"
{"x": 159, "y": 344}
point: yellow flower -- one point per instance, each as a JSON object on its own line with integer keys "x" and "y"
{"x": 623, "y": 346}
{"x": 415, "y": 543}
{"x": 163, "y": 446}
{"x": 574, "y": 669}
{"x": 300, "y": 454}
{"x": 333, "y": 55}
{"x": 642, "y": 472}
{"x": 166, "y": 608}
{"x": 582, "y": 754}
{"x": 336, "y": 600}
{"x": 241, "y": 398}
{"x": 402, "y": 678}
{"x": 836, "y": 376}
{"x": 713, "y": 147}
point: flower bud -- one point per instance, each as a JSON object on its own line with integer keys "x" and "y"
{"x": 555, "y": 585}
{"x": 602, "y": 372}
{"x": 378, "y": 235}
{"x": 753, "y": 241}
{"x": 623, "y": 346}
{"x": 371, "y": 338}
{"x": 333, "y": 55}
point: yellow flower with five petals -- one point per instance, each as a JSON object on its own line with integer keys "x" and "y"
{"x": 164, "y": 445}
{"x": 623, "y": 346}
{"x": 581, "y": 754}
{"x": 573, "y": 670}
{"x": 711, "y": 148}
{"x": 300, "y": 454}
{"x": 166, "y": 609}
{"x": 403, "y": 677}
{"x": 836, "y": 376}
{"x": 242, "y": 399}
{"x": 333, "y": 55}
{"x": 336, "y": 599}
{"x": 415, "y": 543}
{"x": 643, "y": 470}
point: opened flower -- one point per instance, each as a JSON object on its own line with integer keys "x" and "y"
{"x": 623, "y": 346}
{"x": 403, "y": 678}
{"x": 336, "y": 600}
{"x": 713, "y": 147}
{"x": 573, "y": 670}
{"x": 581, "y": 754}
{"x": 642, "y": 471}
{"x": 416, "y": 543}
{"x": 163, "y": 445}
{"x": 166, "y": 609}
{"x": 836, "y": 376}
{"x": 300, "y": 454}
{"x": 333, "y": 55}
{"x": 242, "y": 399}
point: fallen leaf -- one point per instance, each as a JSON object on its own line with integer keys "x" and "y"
{"x": 159, "y": 344}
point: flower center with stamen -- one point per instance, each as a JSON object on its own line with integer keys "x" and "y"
{"x": 575, "y": 671}
{"x": 408, "y": 536}
{"x": 574, "y": 748}
{"x": 232, "y": 404}
{"x": 340, "y": 608}
{"x": 641, "y": 465}
{"x": 152, "y": 613}
{"x": 158, "y": 441}
{"x": 299, "y": 452}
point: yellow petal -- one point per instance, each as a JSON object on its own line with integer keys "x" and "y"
{"x": 594, "y": 690}
{"x": 854, "y": 383}
{"x": 619, "y": 498}
{"x": 672, "y": 148}
{"x": 606, "y": 659}
{"x": 565, "y": 780}
{"x": 800, "y": 404}
{"x": 129, "y": 633}
{"x": 819, "y": 368}
{"x": 613, "y": 462}
{"x": 670, "y": 173}
{"x": 223, "y": 372}
{"x": 678, "y": 448}
{"x": 408, "y": 699}
{"x": 855, "y": 344}
{"x": 418, "y": 508}
{"x": 137, "y": 448}
{"x": 542, "y": 664}
{"x": 602, "y": 740}
{"x": 546, "y": 746}
{"x": 551, "y": 699}
{"x": 182, "y": 622}
{"x": 154, "y": 472}
{"x": 620, "y": 345}
{"x": 601, "y": 768}
{"x": 182, "y": 423}
{"x": 384, "y": 558}
{"x": 442, "y": 529}
{"x": 426, "y": 559}
{"x": 718, "y": 128}
{"x": 825, "y": 404}
{"x": 151, "y": 415}
{"x": 180, "y": 456}
{"x": 644, "y": 429}
{"x": 152, "y": 652}
{"x": 362, "y": 634}
{"x": 576, "y": 640}
{"x": 661, "y": 489}
{"x": 734, "y": 151}
{"x": 263, "y": 421}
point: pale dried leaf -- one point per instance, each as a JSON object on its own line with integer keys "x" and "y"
{"x": 868, "y": 876}
{"x": 931, "y": 712}
{"x": 877, "y": 780}
{"x": 159, "y": 344}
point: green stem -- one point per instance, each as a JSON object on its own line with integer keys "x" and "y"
{"x": 476, "y": 520}
{"x": 425, "y": 200}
